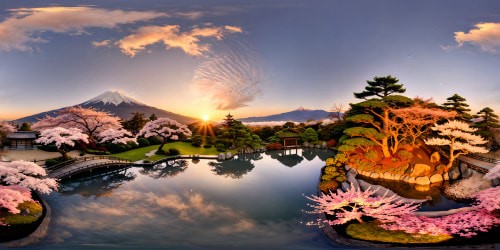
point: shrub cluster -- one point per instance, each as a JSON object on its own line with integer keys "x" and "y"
{"x": 333, "y": 174}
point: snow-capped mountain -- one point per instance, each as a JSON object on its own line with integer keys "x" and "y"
{"x": 299, "y": 115}
{"x": 113, "y": 97}
{"x": 119, "y": 104}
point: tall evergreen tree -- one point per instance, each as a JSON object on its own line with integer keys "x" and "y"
{"x": 135, "y": 123}
{"x": 458, "y": 104}
{"x": 381, "y": 87}
{"x": 488, "y": 121}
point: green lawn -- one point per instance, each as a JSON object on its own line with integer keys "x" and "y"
{"x": 184, "y": 147}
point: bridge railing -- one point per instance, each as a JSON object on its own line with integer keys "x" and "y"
{"x": 482, "y": 158}
{"x": 92, "y": 166}
{"x": 83, "y": 159}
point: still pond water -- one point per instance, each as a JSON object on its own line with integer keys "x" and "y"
{"x": 253, "y": 202}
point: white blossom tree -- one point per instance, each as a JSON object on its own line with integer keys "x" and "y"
{"x": 458, "y": 136}
{"x": 63, "y": 138}
{"x": 166, "y": 129}
{"x": 116, "y": 136}
{"x": 88, "y": 120}
{"x": 26, "y": 174}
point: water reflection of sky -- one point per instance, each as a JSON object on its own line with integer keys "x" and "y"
{"x": 197, "y": 208}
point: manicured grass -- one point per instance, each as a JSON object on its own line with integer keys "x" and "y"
{"x": 16, "y": 219}
{"x": 371, "y": 232}
{"x": 185, "y": 148}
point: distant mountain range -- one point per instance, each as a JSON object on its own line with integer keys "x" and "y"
{"x": 299, "y": 115}
{"x": 116, "y": 103}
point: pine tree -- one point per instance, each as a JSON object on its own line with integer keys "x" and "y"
{"x": 457, "y": 103}
{"x": 487, "y": 122}
{"x": 381, "y": 87}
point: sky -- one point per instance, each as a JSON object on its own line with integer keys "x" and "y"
{"x": 249, "y": 58}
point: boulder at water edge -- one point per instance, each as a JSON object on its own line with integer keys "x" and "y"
{"x": 436, "y": 178}
{"x": 421, "y": 170}
{"x": 454, "y": 173}
{"x": 424, "y": 180}
{"x": 435, "y": 157}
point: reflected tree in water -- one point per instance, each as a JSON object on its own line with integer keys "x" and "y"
{"x": 100, "y": 183}
{"x": 289, "y": 160}
{"x": 165, "y": 169}
{"x": 235, "y": 168}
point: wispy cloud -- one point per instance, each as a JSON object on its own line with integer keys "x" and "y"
{"x": 231, "y": 78}
{"x": 104, "y": 43}
{"x": 172, "y": 37}
{"x": 484, "y": 35}
{"x": 25, "y": 26}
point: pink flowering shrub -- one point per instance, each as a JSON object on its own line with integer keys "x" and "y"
{"x": 494, "y": 173}
{"x": 395, "y": 215}
{"x": 12, "y": 196}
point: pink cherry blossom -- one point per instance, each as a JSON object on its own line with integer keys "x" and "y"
{"x": 12, "y": 196}
{"x": 28, "y": 175}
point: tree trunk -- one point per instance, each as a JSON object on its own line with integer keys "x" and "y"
{"x": 385, "y": 148}
{"x": 64, "y": 155}
{"x": 161, "y": 146}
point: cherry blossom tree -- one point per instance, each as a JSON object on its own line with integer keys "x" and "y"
{"x": 488, "y": 199}
{"x": 5, "y": 129}
{"x": 353, "y": 204}
{"x": 116, "y": 136}
{"x": 458, "y": 136}
{"x": 12, "y": 196}
{"x": 28, "y": 175}
{"x": 63, "y": 138}
{"x": 166, "y": 129}
{"x": 88, "y": 120}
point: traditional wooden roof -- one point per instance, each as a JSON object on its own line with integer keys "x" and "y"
{"x": 22, "y": 135}
{"x": 286, "y": 135}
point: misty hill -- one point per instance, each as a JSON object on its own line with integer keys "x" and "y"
{"x": 298, "y": 115}
{"x": 116, "y": 103}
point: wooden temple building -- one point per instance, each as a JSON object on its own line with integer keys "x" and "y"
{"x": 21, "y": 139}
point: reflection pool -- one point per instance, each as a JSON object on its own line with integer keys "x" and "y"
{"x": 254, "y": 201}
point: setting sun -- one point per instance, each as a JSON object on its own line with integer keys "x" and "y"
{"x": 205, "y": 117}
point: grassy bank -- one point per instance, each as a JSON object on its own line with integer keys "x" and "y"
{"x": 185, "y": 148}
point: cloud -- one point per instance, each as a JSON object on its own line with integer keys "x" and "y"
{"x": 172, "y": 37}
{"x": 485, "y": 35}
{"x": 231, "y": 78}
{"x": 233, "y": 29}
{"x": 25, "y": 26}
{"x": 104, "y": 43}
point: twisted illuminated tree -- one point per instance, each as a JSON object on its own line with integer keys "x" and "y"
{"x": 166, "y": 129}
{"x": 63, "y": 138}
{"x": 458, "y": 136}
{"x": 353, "y": 204}
{"x": 416, "y": 120}
{"x": 88, "y": 120}
{"x": 26, "y": 174}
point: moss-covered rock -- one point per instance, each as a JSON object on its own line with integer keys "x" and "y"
{"x": 30, "y": 212}
{"x": 370, "y": 231}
